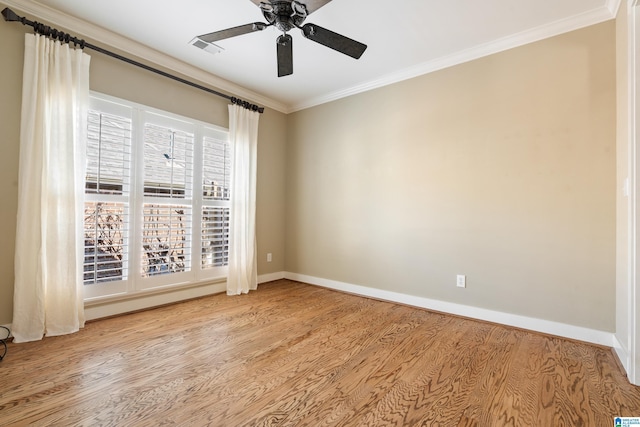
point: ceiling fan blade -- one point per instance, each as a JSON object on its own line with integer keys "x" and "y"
{"x": 233, "y": 32}
{"x": 285, "y": 55}
{"x": 333, "y": 40}
{"x": 312, "y": 5}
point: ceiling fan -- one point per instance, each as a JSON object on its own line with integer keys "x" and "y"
{"x": 286, "y": 15}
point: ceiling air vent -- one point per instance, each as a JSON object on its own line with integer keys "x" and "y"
{"x": 209, "y": 47}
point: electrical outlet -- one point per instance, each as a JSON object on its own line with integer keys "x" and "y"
{"x": 461, "y": 281}
{"x": 269, "y": 257}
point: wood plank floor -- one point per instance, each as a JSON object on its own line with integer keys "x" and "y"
{"x": 291, "y": 354}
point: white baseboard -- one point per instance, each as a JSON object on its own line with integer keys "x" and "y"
{"x": 264, "y": 278}
{"x": 622, "y": 353}
{"x": 523, "y": 322}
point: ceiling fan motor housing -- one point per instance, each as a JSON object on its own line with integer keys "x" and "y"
{"x": 284, "y": 14}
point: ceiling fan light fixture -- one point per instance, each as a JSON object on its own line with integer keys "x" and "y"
{"x": 299, "y": 9}
{"x": 286, "y": 15}
{"x": 209, "y": 47}
{"x": 266, "y": 7}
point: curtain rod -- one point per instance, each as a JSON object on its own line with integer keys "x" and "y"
{"x": 45, "y": 30}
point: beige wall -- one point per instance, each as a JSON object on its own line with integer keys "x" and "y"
{"x": 503, "y": 169}
{"x": 125, "y": 81}
{"x": 11, "y": 46}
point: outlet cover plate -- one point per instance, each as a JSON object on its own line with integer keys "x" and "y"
{"x": 461, "y": 281}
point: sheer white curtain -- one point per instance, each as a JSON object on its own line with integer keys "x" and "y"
{"x": 243, "y": 265}
{"x": 48, "y": 298}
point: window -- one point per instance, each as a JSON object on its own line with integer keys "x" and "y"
{"x": 157, "y": 199}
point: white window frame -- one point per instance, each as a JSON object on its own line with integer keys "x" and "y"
{"x": 135, "y": 283}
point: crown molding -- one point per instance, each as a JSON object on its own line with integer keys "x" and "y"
{"x": 595, "y": 16}
{"x": 613, "y": 6}
{"x": 608, "y": 11}
{"x": 140, "y": 51}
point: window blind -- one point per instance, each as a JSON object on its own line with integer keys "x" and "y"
{"x": 215, "y": 236}
{"x": 216, "y": 172}
{"x": 105, "y": 244}
{"x": 107, "y": 184}
{"x": 168, "y": 162}
{"x": 108, "y": 154}
{"x": 166, "y": 231}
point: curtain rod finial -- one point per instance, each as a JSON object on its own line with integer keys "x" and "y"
{"x": 10, "y": 15}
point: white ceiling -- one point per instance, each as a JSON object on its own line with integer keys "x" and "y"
{"x": 405, "y": 38}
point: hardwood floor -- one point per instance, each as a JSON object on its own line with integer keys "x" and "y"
{"x": 292, "y": 354}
